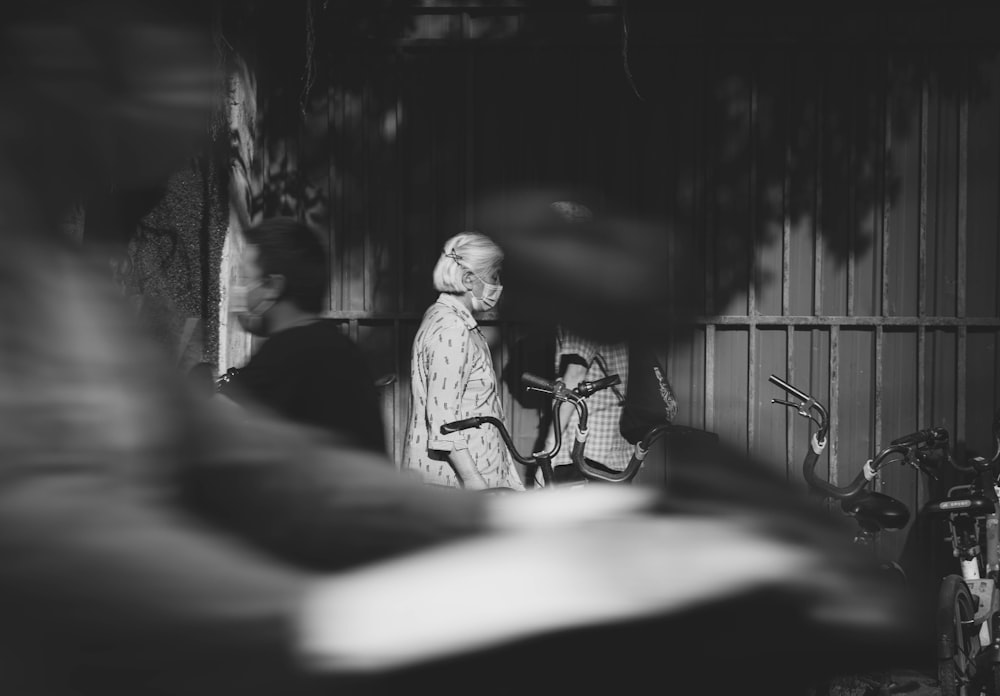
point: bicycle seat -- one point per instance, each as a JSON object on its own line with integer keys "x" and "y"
{"x": 877, "y": 511}
{"x": 974, "y": 505}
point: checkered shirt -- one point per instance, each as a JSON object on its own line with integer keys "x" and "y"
{"x": 605, "y": 443}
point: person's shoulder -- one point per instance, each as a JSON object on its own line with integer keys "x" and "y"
{"x": 441, "y": 320}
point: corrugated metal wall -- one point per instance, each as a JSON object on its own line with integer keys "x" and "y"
{"x": 843, "y": 199}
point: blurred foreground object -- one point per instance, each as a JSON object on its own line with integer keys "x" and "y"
{"x": 607, "y": 277}
{"x": 104, "y": 94}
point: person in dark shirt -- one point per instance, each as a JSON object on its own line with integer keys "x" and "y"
{"x": 307, "y": 370}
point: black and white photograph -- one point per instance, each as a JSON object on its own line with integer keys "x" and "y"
{"x": 499, "y": 347}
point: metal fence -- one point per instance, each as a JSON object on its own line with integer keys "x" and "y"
{"x": 843, "y": 199}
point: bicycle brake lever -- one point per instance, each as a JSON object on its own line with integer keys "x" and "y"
{"x": 800, "y": 407}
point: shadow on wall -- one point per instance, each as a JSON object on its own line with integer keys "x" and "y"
{"x": 724, "y": 143}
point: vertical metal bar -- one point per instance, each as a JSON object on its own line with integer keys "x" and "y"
{"x": 366, "y": 229}
{"x": 752, "y": 197}
{"x": 752, "y": 275}
{"x": 710, "y": 269}
{"x": 352, "y": 325}
{"x": 790, "y": 372}
{"x": 922, "y": 269}
{"x": 399, "y": 212}
{"x": 962, "y": 260}
{"x": 879, "y": 338}
{"x": 996, "y": 300}
{"x": 883, "y": 308}
{"x": 341, "y": 257}
{"x": 818, "y": 285}
{"x": 883, "y": 298}
{"x": 470, "y": 130}
{"x": 751, "y": 384}
{"x": 786, "y": 221}
{"x": 818, "y": 217}
{"x": 707, "y": 207}
{"x": 834, "y": 399}
{"x": 330, "y": 188}
{"x": 710, "y": 377}
{"x": 963, "y": 201}
{"x": 921, "y": 390}
{"x": 786, "y": 258}
{"x": 961, "y": 387}
{"x": 851, "y": 205}
{"x": 922, "y": 242}
{"x": 400, "y": 402}
{"x": 786, "y": 267}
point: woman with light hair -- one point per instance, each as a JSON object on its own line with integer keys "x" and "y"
{"x": 452, "y": 376}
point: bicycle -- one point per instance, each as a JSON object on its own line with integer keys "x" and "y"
{"x": 559, "y": 393}
{"x": 589, "y": 470}
{"x": 873, "y": 512}
{"x": 968, "y": 604}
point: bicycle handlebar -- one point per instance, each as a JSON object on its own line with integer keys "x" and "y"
{"x": 541, "y": 384}
{"x": 906, "y": 446}
{"x": 929, "y": 436}
{"x": 586, "y": 389}
{"x": 463, "y": 424}
{"x": 805, "y": 407}
{"x": 476, "y": 421}
{"x": 560, "y": 391}
{"x": 794, "y": 391}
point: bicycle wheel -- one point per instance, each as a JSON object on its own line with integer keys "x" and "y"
{"x": 957, "y": 638}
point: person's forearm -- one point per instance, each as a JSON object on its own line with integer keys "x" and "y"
{"x": 466, "y": 469}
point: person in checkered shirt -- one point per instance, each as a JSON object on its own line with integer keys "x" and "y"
{"x": 578, "y": 359}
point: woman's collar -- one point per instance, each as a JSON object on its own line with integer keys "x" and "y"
{"x": 451, "y": 300}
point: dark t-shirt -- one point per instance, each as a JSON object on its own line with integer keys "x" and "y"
{"x": 315, "y": 375}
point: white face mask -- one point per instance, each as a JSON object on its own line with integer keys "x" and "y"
{"x": 250, "y": 318}
{"x": 491, "y": 295}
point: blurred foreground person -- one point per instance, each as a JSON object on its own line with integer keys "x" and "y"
{"x": 151, "y": 543}
{"x": 307, "y": 370}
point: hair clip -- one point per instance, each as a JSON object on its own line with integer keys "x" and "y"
{"x": 452, "y": 255}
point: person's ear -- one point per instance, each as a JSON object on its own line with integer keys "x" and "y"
{"x": 468, "y": 280}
